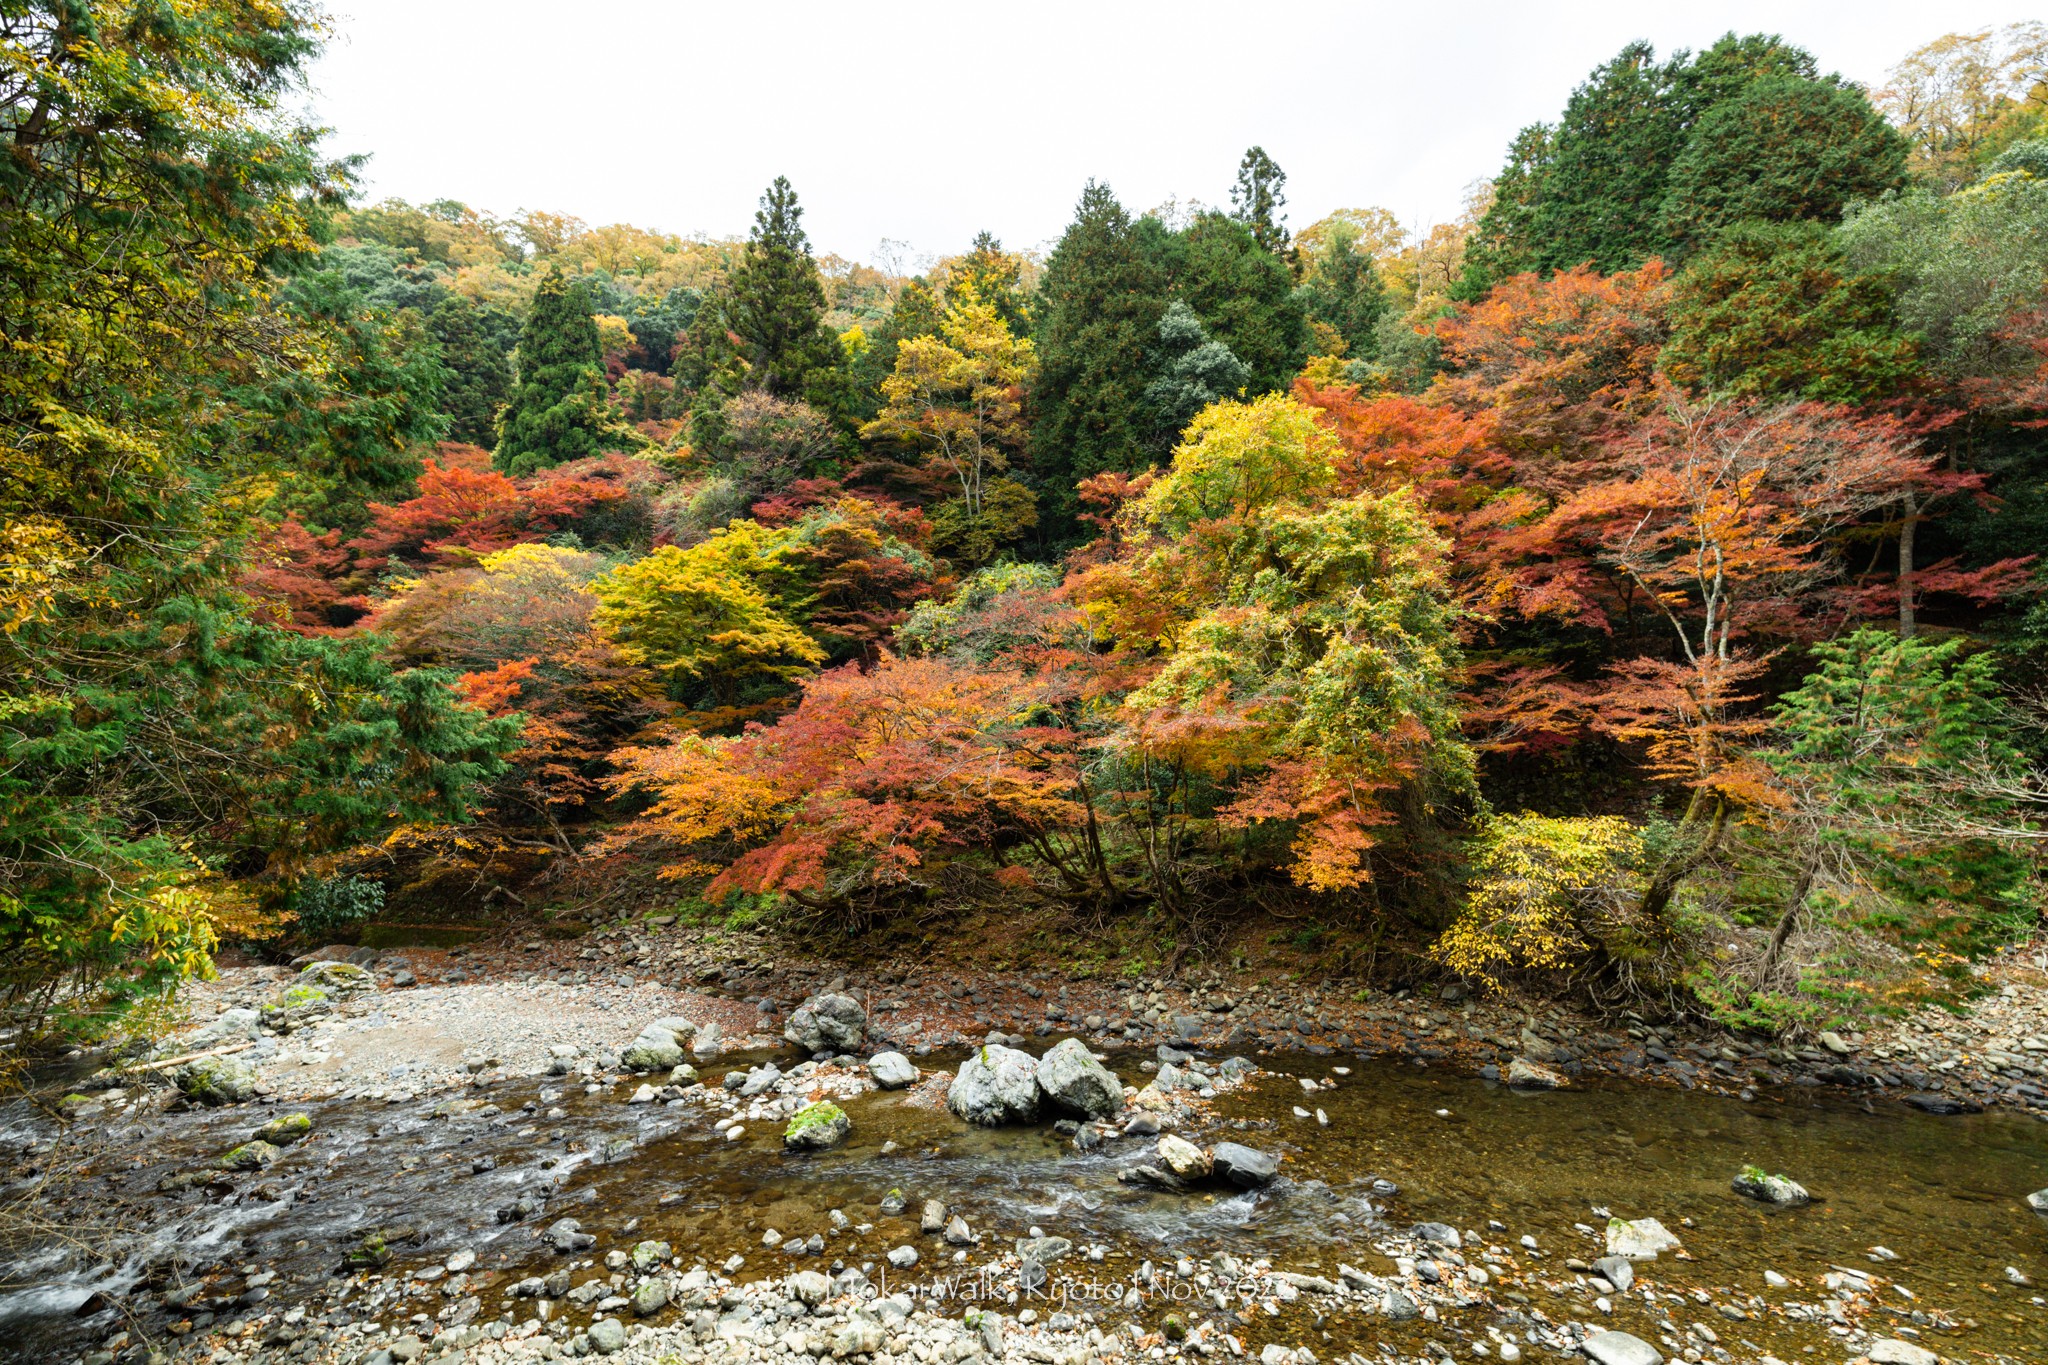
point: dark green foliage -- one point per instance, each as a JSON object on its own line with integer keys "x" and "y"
{"x": 1244, "y": 295}
{"x": 1784, "y": 149}
{"x": 1593, "y": 187}
{"x": 658, "y": 324}
{"x": 476, "y": 351}
{"x": 765, "y": 330}
{"x": 2031, "y": 157}
{"x": 558, "y": 407}
{"x": 916, "y": 313}
{"x": 1194, "y": 371}
{"x": 1341, "y": 289}
{"x": 354, "y": 427}
{"x": 1771, "y": 310}
{"x": 1099, "y": 305}
{"x": 328, "y": 906}
{"x": 1258, "y": 197}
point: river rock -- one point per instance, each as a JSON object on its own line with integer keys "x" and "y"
{"x": 607, "y": 1336}
{"x": 284, "y": 1130}
{"x": 995, "y": 1085}
{"x": 1537, "y": 1048}
{"x": 932, "y": 1216}
{"x": 759, "y": 1081}
{"x": 1619, "y": 1348}
{"x": 338, "y": 978}
{"x": 2038, "y": 1202}
{"x": 860, "y": 1335}
{"x": 827, "y": 1023}
{"x": 1943, "y": 1104}
{"x": 816, "y": 1127}
{"x": 232, "y": 1026}
{"x": 1892, "y": 1351}
{"x": 903, "y": 1257}
{"x": 1754, "y": 1183}
{"x": 566, "y": 1235}
{"x": 650, "y": 1298}
{"x": 1524, "y": 1074}
{"x": 648, "y": 1255}
{"x": 216, "y": 1080}
{"x": 659, "y": 1046}
{"x": 1245, "y": 1167}
{"x": 1619, "y": 1271}
{"x": 1078, "y": 1084}
{"x": 1183, "y": 1158}
{"x": 1397, "y": 1306}
{"x": 1443, "y": 1234}
{"x": 1043, "y": 1249}
{"x": 251, "y": 1156}
{"x": 892, "y": 1070}
{"x": 1639, "y": 1239}
{"x": 709, "y": 1042}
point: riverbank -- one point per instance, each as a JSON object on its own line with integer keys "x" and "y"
{"x": 466, "y": 1101}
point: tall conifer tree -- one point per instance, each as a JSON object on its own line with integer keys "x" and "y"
{"x": 557, "y": 412}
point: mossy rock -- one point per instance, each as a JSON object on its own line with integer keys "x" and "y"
{"x": 216, "y": 1080}
{"x": 342, "y": 977}
{"x": 301, "y": 995}
{"x": 816, "y": 1127}
{"x": 284, "y": 1131}
{"x": 251, "y": 1156}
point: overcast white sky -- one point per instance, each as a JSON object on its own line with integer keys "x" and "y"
{"x": 926, "y": 122}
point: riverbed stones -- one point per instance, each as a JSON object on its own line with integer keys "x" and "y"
{"x": 251, "y": 1156}
{"x": 607, "y": 1336}
{"x": 1619, "y": 1348}
{"x": 566, "y": 1235}
{"x": 1639, "y": 1239}
{"x": 1245, "y": 1167}
{"x": 809, "y": 1287}
{"x": 903, "y": 1257}
{"x": 216, "y": 1080}
{"x": 1524, "y": 1074}
{"x": 1935, "y": 1103}
{"x": 337, "y": 978}
{"x": 1042, "y": 1249}
{"x": 1183, "y": 1158}
{"x": 995, "y": 1085}
{"x": 2038, "y": 1202}
{"x": 859, "y": 1335}
{"x": 1076, "y": 1083}
{"x": 650, "y": 1297}
{"x": 892, "y": 1070}
{"x": 827, "y": 1023}
{"x": 1754, "y": 1183}
{"x": 1537, "y": 1048}
{"x": 1892, "y": 1351}
{"x": 817, "y": 1127}
{"x": 932, "y": 1217}
{"x": 230, "y": 1026}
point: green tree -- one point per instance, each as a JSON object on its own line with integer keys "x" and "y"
{"x": 766, "y": 329}
{"x": 1100, "y": 301}
{"x": 1341, "y": 289}
{"x": 1195, "y": 371}
{"x": 1244, "y": 295}
{"x": 558, "y": 410}
{"x": 996, "y": 277}
{"x": 1772, "y": 310}
{"x": 1786, "y": 148}
{"x": 1258, "y": 198}
{"x": 476, "y": 350}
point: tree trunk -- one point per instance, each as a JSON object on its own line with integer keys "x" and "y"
{"x": 1906, "y": 526}
{"x": 1789, "y": 920}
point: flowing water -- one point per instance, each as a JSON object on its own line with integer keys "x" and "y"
{"x": 1944, "y": 1194}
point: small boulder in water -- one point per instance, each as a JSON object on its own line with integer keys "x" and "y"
{"x": 1619, "y": 1348}
{"x": 1639, "y": 1239}
{"x": 1245, "y": 1167}
{"x": 284, "y": 1130}
{"x": 995, "y": 1085}
{"x": 1524, "y": 1074}
{"x": 251, "y": 1156}
{"x": 1183, "y": 1158}
{"x": 659, "y": 1046}
{"x": 816, "y": 1127}
{"x": 1078, "y": 1084}
{"x": 216, "y": 1080}
{"x": 892, "y": 1070}
{"x": 1755, "y": 1183}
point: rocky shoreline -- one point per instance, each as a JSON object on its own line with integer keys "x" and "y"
{"x": 451, "y": 1030}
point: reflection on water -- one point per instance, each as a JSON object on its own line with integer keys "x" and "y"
{"x": 1945, "y": 1194}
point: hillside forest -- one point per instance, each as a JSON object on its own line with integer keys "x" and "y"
{"x": 1631, "y": 588}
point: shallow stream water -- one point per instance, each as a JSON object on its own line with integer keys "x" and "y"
{"x": 1945, "y": 1194}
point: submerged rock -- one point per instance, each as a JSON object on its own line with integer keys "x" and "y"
{"x": 1078, "y": 1084}
{"x": 1639, "y": 1239}
{"x": 251, "y": 1156}
{"x": 1754, "y": 1183}
{"x": 1524, "y": 1074}
{"x": 1619, "y": 1271}
{"x": 827, "y": 1023}
{"x": 816, "y": 1127}
{"x": 995, "y": 1085}
{"x": 1892, "y": 1351}
{"x": 1619, "y": 1348}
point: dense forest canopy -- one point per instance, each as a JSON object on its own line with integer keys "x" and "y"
{"x": 1633, "y": 582}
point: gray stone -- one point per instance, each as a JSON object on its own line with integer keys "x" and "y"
{"x": 566, "y": 1235}
{"x": 892, "y": 1070}
{"x": 648, "y": 1255}
{"x": 2038, "y": 1202}
{"x": 932, "y": 1216}
{"x": 903, "y": 1258}
{"x": 995, "y": 1085}
{"x": 834, "y": 1023}
{"x": 1188, "y": 1026}
{"x": 1892, "y": 1351}
{"x": 251, "y": 1156}
{"x": 232, "y": 1026}
{"x": 709, "y": 1041}
{"x": 1246, "y": 1167}
{"x": 338, "y": 978}
{"x": 1078, "y": 1084}
{"x": 809, "y": 1287}
{"x": 860, "y": 1335}
{"x": 1619, "y": 1348}
{"x": 957, "y": 1231}
{"x": 1537, "y": 1048}
{"x": 1443, "y": 1234}
{"x": 216, "y": 1080}
{"x": 650, "y": 1298}
{"x": 1640, "y": 1239}
{"x": 1754, "y": 1183}
{"x": 1524, "y": 1074}
{"x": 607, "y": 1336}
{"x": 1834, "y": 1043}
{"x": 1398, "y": 1306}
{"x": 1043, "y": 1249}
{"x": 659, "y": 1046}
{"x": 758, "y": 1081}
{"x": 1619, "y": 1270}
